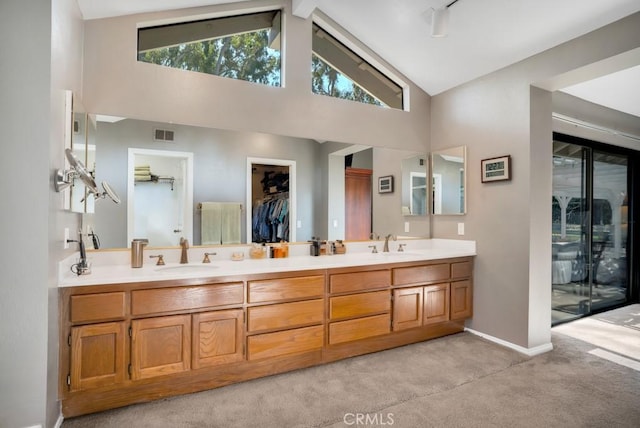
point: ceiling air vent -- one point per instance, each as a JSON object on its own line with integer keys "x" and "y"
{"x": 163, "y": 135}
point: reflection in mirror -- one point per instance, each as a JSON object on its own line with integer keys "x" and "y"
{"x": 219, "y": 172}
{"x": 414, "y": 186}
{"x": 448, "y": 169}
{"x": 271, "y": 200}
{"x": 84, "y": 149}
{"x": 220, "y": 175}
{"x": 160, "y": 195}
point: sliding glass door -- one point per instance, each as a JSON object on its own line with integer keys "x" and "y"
{"x": 590, "y": 223}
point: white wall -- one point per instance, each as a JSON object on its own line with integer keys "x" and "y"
{"x": 66, "y": 41}
{"x": 35, "y": 68}
{"x": 501, "y": 114}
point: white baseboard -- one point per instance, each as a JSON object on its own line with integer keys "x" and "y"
{"x": 530, "y": 352}
{"x": 59, "y": 421}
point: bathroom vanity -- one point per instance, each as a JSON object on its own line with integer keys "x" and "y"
{"x": 135, "y": 335}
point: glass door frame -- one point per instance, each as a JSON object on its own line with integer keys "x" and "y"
{"x": 633, "y": 235}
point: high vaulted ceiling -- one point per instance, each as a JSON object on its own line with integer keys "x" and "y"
{"x": 484, "y": 35}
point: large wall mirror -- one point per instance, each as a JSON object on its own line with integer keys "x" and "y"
{"x": 448, "y": 168}
{"x": 220, "y": 166}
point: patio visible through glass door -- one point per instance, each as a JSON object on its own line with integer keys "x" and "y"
{"x": 590, "y": 218}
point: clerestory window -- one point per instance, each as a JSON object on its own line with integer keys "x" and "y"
{"x": 243, "y": 47}
{"x": 339, "y": 72}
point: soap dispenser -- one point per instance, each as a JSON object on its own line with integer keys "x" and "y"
{"x": 137, "y": 246}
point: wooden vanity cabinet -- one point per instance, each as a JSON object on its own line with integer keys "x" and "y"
{"x": 97, "y": 348}
{"x": 98, "y": 355}
{"x": 134, "y": 342}
{"x": 285, "y": 316}
{"x": 217, "y": 338}
{"x": 436, "y": 303}
{"x": 419, "y": 306}
{"x": 160, "y": 346}
{"x": 462, "y": 289}
{"x": 432, "y": 301}
{"x": 407, "y": 308}
{"x": 461, "y": 300}
{"x": 112, "y": 340}
{"x": 359, "y": 305}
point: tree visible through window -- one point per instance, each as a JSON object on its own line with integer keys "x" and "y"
{"x": 245, "y": 47}
{"x": 326, "y": 80}
{"x": 339, "y": 72}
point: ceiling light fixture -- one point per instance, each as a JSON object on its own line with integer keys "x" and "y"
{"x": 440, "y": 20}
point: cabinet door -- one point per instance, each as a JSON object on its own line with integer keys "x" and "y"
{"x": 217, "y": 338}
{"x": 436, "y": 304}
{"x": 160, "y": 346}
{"x": 97, "y": 355}
{"x": 461, "y": 300}
{"x": 407, "y": 308}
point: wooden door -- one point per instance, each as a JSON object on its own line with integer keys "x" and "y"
{"x": 357, "y": 195}
{"x": 407, "y": 308}
{"x": 217, "y": 338}
{"x": 97, "y": 355}
{"x": 160, "y": 346}
{"x": 436, "y": 304}
{"x": 461, "y": 300}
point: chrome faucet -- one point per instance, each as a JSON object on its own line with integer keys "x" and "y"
{"x": 385, "y": 249}
{"x": 184, "y": 259}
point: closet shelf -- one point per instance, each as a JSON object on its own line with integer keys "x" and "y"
{"x": 157, "y": 179}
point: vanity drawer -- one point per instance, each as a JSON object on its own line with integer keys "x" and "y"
{"x": 461, "y": 269}
{"x": 362, "y": 304}
{"x": 285, "y": 315}
{"x": 273, "y": 290}
{"x": 421, "y": 274}
{"x": 96, "y": 307}
{"x": 359, "y": 281}
{"x": 285, "y": 342}
{"x": 360, "y": 328}
{"x": 183, "y": 298}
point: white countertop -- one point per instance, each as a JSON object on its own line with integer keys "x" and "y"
{"x": 109, "y": 268}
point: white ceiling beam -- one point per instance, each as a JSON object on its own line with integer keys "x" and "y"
{"x": 303, "y": 8}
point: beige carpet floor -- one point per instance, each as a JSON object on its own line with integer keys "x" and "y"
{"x": 455, "y": 381}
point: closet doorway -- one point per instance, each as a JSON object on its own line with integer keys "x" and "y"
{"x": 271, "y": 200}
{"x": 591, "y": 235}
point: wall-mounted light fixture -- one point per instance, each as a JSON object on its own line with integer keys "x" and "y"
{"x": 64, "y": 179}
{"x": 440, "y": 20}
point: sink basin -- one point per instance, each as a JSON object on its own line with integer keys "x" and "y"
{"x": 398, "y": 254}
{"x": 203, "y": 268}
